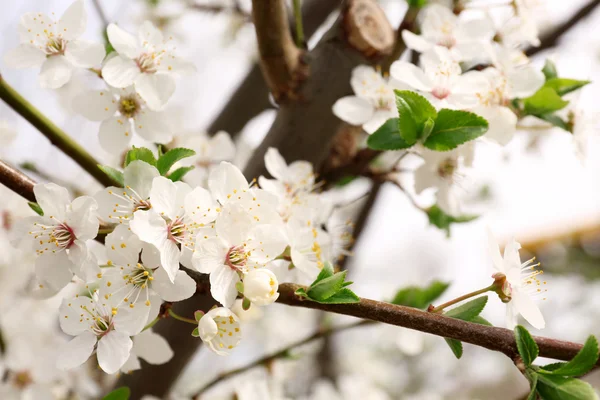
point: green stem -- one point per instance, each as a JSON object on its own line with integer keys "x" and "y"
{"x": 180, "y": 318}
{"x": 151, "y": 324}
{"x": 56, "y": 136}
{"x": 441, "y": 307}
{"x": 299, "y": 26}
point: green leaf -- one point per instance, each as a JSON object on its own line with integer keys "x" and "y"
{"x": 532, "y": 376}
{"x": 443, "y": 221}
{"x": 114, "y": 174}
{"x": 481, "y": 321}
{"x": 166, "y": 161}
{"x": 469, "y": 310}
{"x": 544, "y": 101}
{"x": 528, "y": 349}
{"x": 346, "y": 179}
{"x": 140, "y": 153}
{"x": 453, "y": 128}
{"x": 36, "y": 207}
{"x": 121, "y": 393}
{"x": 387, "y": 137}
{"x": 552, "y": 387}
{"x": 343, "y": 296}
{"x": 325, "y": 272}
{"x": 413, "y": 110}
{"x": 563, "y": 86}
{"x": 583, "y": 361}
{"x": 196, "y": 332}
{"x": 549, "y": 69}
{"x": 555, "y": 120}
{"x": 179, "y": 173}
{"x": 455, "y": 346}
{"x": 414, "y": 296}
{"x": 327, "y": 287}
{"x": 198, "y": 315}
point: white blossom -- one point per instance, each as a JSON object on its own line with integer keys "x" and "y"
{"x": 220, "y": 330}
{"x": 55, "y": 46}
{"x": 260, "y": 287}
{"x": 149, "y": 346}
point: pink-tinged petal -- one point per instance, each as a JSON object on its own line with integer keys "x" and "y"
{"x": 502, "y": 123}
{"x": 184, "y": 287}
{"x": 524, "y": 81}
{"x": 52, "y": 270}
{"x": 525, "y": 305}
{"x": 72, "y": 23}
{"x": 411, "y": 75}
{"x": 25, "y": 56}
{"x": 222, "y": 285}
{"x": 139, "y": 175}
{"x": 152, "y": 347}
{"x": 53, "y": 200}
{"x": 209, "y": 255}
{"x": 148, "y": 34}
{"x": 84, "y": 263}
{"x": 77, "y": 351}
{"x": 115, "y": 134}
{"x": 131, "y": 320}
{"x": 226, "y": 180}
{"x": 120, "y": 72}
{"x": 155, "y": 89}
{"x": 353, "y": 110}
{"x": 113, "y": 351}
{"x": 82, "y": 218}
{"x": 153, "y": 126}
{"x": 84, "y": 54}
{"x": 416, "y": 42}
{"x": 55, "y": 72}
{"x": 123, "y": 42}
{"x": 95, "y": 105}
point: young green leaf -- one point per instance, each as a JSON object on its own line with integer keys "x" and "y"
{"x": 583, "y": 361}
{"x": 327, "y": 287}
{"x": 549, "y": 69}
{"x": 481, "y": 321}
{"x": 36, "y": 207}
{"x": 413, "y": 110}
{"x": 115, "y": 174}
{"x": 179, "y": 173}
{"x": 325, "y": 272}
{"x": 563, "y": 86}
{"x": 544, "y": 101}
{"x": 140, "y": 153}
{"x": 469, "y": 310}
{"x": 443, "y": 221}
{"x": 343, "y": 296}
{"x": 456, "y": 347}
{"x": 528, "y": 349}
{"x": 196, "y": 332}
{"x": 552, "y": 387}
{"x": 453, "y": 128}
{"x": 556, "y": 121}
{"x": 167, "y": 160}
{"x": 532, "y": 376}
{"x": 387, "y": 137}
{"x": 417, "y": 297}
{"x": 121, "y": 393}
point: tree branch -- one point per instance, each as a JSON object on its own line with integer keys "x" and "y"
{"x": 489, "y": 337}
{"x": 56, "y": 136}
{"x": 16, "y": 181}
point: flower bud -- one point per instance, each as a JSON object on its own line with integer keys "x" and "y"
{"x": 220, "y": 330}
{"x": 260, "y": 287}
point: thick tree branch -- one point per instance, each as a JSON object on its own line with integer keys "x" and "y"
{"x": 16, "y": 181}
{"x": 56, "y": 136}
{"x": 489, "y": 337}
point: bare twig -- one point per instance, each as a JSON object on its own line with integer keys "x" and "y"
{"x": 101, "y": 13}
{"x": 16, "y": 181}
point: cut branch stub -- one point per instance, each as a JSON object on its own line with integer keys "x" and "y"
{"x": 368, "y": 29}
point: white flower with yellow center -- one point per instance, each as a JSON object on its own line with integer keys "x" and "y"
{"x": 122, "y": 112}
{"x": 220, "y": 330}
{"x": 59, "y": 237}
{"x": 55, "y": 46}
{"x": 98, "y": 327}
{"x": 146, "y": 62}
{"x": 310, "y": 246}
{"x": 260, "y": 287}
{"x": 521, "y": 283}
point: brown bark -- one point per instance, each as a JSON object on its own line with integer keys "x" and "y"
{"x": 16, "y": 181}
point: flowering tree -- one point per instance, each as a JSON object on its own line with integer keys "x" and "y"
{"x": 186, "y": 240}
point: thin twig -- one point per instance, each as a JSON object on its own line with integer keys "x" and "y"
{"x": 16, "y": 181}
{"x": 323, "y": 333}
{"x": 299, "y": 26}
{"x": 56, "y": 136}
{"x": 101, "y": 13}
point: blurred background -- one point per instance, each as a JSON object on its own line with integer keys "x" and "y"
{"x": 543, "y": 188}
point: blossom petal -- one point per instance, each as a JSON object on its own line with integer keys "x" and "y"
{"x": 120, "y": 72}
{"x": 82, "y": 218}
{"x": 72, "y": 23}
{"x": 416, "y": 42}
{"x": 77, "y": 351}
{"x": 155, "y": 89}
{"x": 275, "y": 164}
{"x": 528, "y": 309}
{"x": 222, "y": 147}
{"x": 25, "y": 56}
{"x": 73, "y": 320}
{"x": 139, "y": 175}
{"x": 113, "y": 351}
{"x": 200, "y": 206}
{"x": 502, "y": 123}
{"x": 115, "y": 134}
{"x": 95, "y": 105}
{"x": 85, "y": 54}
{"x": 122, "y": 246}
{"x": 222, "y": 285}
{"x": 267, "y": 242}
{"x": 149, "y": 34}
{"x": 353, "y": 110}
{"x": 152, "y": 347}
{"x": 55, "y": 72}
{"x": 209, "y": 255}
{"x": 150, "y": 227}
{"x": 163, "y": 196}
{"x": 52, "y": 270}
{"x": 123, "y": 42}
{"x": 411, "y": 75}
{"x": 84, "y": 262}
{"x": 53, "y": 199}
{"x": 132, "y": 363}
{"x": 224, "y": 180}
{"x": 153, "y": 126}
{"x": 524, "y": 81}
{"x": 131, "y": 320}
{"x": 184, "y": 287}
